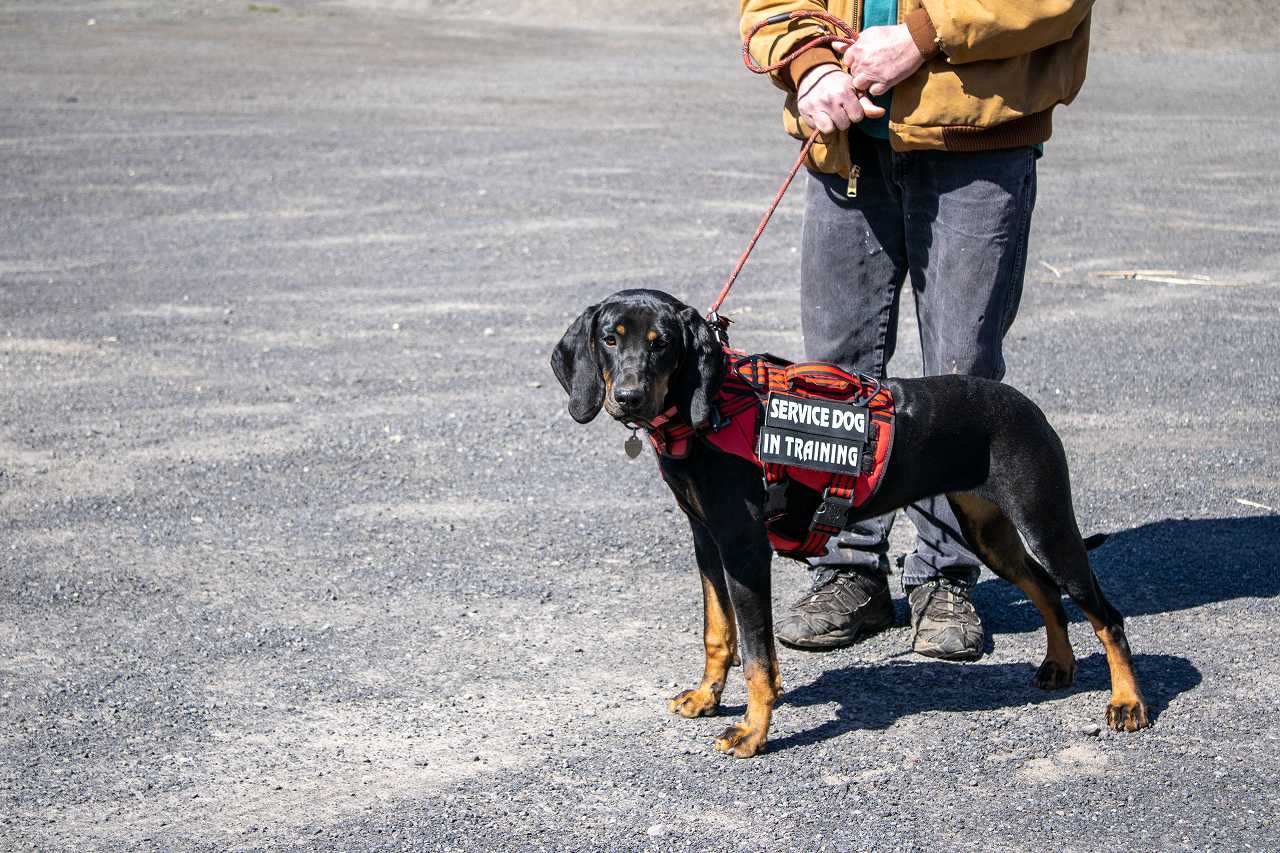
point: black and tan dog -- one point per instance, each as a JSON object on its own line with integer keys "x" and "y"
{"x": 984, "y": 445}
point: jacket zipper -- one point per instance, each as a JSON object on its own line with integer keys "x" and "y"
{"x": 851, "y": 189}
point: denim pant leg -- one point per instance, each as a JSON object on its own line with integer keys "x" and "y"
{"x": 968, "y": 220}
{"x": 852, "y": 265}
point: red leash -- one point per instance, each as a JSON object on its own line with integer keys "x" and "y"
{"x": 846, "y": 33}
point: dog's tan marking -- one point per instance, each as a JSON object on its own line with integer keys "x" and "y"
{"x": 620, "y": 329}
{"x": 995, "y": 539}
{"x": 652, "y": 335}
{"x": 993, "y": 536}
{"x": 718, "y": 640}
{"x": 747, "y": 738}
{"x": 1127, "y": 710}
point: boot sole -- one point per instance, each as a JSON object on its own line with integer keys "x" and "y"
{"x": 955, "y": 657}
{"x": 831, "y": 641}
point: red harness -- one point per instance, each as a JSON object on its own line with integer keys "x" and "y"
{"x": 739, "y": 403}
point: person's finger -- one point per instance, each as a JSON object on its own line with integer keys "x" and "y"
{"x": 823, "y": 123}
{"x": 870, "y": 108}
{"x": 852, "y": 108}
{"x": 877, "y": 88}
{"x": 840, "y": 113}
{"x": 862, "y": 82}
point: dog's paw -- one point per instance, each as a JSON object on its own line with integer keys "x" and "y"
{"x": 740, "y": 741}
{"x": 1054, "y": 676}
{"x": 698, "y": 702}
{"x": 1127, "y": 715}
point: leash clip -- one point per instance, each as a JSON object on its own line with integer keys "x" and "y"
{"x": 719, "y": 327}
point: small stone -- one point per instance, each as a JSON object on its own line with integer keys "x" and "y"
{"x": 488, "y": 331}
{"x": 657, "y": 830}
{"x": 1091, "y": 730}
{"x": 535, "y": 384}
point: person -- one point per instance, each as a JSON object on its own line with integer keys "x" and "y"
{"x": 932, "y": 121}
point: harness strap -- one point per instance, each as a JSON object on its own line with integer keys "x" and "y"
{"x": 734, "y": 430}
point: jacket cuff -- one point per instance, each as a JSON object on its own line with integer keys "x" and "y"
{"x": 808, "y": 60}
{"x": 923, "y": 33}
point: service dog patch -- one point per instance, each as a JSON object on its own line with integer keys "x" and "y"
{"x": 812, "y": 433}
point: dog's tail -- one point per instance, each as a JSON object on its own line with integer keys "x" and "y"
{"x": 1091, "y": 542}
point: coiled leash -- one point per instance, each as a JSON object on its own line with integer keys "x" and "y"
{"x": 846, "y": 33}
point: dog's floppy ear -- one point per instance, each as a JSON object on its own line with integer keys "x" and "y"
{"x": 575, "y": 365}
{"x": 702, "y": 370}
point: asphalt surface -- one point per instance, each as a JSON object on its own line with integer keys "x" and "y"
{"x": 301, "y": 549}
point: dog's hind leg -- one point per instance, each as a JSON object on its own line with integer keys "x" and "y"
{"x": 1046, "y": 519}
{"x": 719, "y": 634}
{"x": 1056, "y": 542}
{"x": 994, "y": 538}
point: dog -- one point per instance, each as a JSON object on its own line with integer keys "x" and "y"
{"x": 983, "y": 444}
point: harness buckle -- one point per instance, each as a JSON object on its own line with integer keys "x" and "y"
{"x": 832, "y": 514}
{"x": 718, "y": 420}
{"x": 757, "y": 383}
{"x": 775, "y": 500}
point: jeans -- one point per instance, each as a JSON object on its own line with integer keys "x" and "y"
{"x": 956, "y": 224}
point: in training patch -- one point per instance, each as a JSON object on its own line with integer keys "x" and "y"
{"x": 812, "y": 433}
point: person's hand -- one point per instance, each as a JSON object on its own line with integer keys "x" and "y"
{"x": 828, "y": 101}
{"x": 881, "y": 58}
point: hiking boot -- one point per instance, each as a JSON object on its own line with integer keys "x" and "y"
{"x": 944, "y": 622}
{"x": 844, "y": 605}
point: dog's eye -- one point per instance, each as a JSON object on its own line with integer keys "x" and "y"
{"x": 610, "y": 341}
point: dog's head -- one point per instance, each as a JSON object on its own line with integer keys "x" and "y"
{"x": 637, "y": 353}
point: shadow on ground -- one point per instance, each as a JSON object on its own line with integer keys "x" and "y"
{"x": 1161, "y": 567}
{"x": 876, "y": 696}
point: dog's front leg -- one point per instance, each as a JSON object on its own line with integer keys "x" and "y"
{"x": 746, "y": 561}
{"x": 719, "y": 638}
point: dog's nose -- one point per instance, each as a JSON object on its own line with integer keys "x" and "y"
{"x": 628, "y": 397}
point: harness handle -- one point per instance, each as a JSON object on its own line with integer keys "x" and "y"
{"x": 860, "y": 393}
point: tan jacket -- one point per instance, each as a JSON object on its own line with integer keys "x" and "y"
{"x": 993, "y": 73}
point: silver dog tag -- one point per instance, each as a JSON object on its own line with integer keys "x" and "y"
{"x": 632, "y": 446}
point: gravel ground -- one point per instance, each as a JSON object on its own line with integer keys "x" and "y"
{"x": 300, "y": 548}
